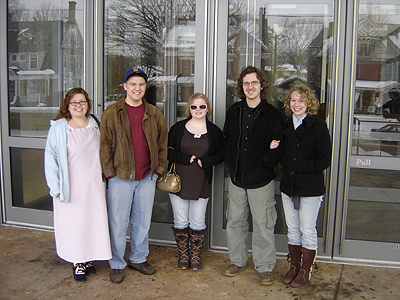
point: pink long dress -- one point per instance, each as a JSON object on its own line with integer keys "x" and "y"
{"x": 81, "y": 225}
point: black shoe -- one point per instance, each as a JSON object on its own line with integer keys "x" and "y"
{"x": 79, "y": 272}
{"x": 90, "y": 269}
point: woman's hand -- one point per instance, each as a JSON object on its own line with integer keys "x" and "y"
{"x": 199, "y": 162}
{"x": 192, "y": 158}
{"x": 274, "y": 144}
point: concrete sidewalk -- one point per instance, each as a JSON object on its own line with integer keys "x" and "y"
{"x": 31, "y": 269}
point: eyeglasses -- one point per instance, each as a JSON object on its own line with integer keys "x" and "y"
{"x": 201, "y": 106}
{"x": 75, "y": 103}
{"x": 253, "y": 83}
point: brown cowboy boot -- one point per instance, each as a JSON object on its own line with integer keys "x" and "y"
{"x": 182, "y": 241}
{"x": 294, "y": 257}
{"x": 196, "y": 246}
{"x": 306, "y": 269}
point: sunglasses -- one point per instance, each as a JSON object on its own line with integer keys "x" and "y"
{"x": 201, "y": 106}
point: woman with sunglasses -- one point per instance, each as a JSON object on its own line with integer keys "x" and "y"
{"x": 195, "y": 145}
{"x": 74, "y": 176}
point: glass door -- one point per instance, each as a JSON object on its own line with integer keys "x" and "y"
{"x": 369, "y": 228}
{"x": 44, "y": 58}
{"x": 161, "y": 38}
{"x": 293, "y": 43}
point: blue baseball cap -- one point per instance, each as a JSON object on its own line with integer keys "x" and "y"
{"x": 135, "y": 71}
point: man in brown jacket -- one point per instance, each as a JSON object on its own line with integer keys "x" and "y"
{"x": 133, "y": 152}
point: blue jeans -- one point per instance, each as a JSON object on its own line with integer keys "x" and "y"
{"x": 130, "y": 201}
{"x": 302, "y": 223}
{"x": 261, "y": 203}
{"x": 189, "y": 213}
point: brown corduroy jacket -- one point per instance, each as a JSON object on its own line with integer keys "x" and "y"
{"x": 116, "y": 151}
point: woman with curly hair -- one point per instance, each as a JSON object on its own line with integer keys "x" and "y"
{"x": 307, "y": 152}
{"x": 74, "y": 176}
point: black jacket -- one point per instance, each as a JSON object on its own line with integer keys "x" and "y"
{"x": 307, "y": 153}
{"x": 212, "y": 157}
{"x": 260, "y": 160}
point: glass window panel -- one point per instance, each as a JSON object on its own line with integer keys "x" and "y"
{"x": 374, "y": 205}
{"x": 373, "y": 199}
{"x": 159, "y": 38}
{"x": 28, "y": 184}
{"x": 376, "y": 130}
{"x": 44, "y": 42}
{"x": 293, "y": 44}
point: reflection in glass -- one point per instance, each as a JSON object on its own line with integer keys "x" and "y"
{"x": 28, "y": 184}
{"x": 376, "y": 129}
{"x": 45, "y": 59}
{"x": 374, "y": 205}
{"x": 159, "y": 38}
{"x": 292, "y": 44}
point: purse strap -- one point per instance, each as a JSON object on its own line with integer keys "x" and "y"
{"x": 172, "y": 168}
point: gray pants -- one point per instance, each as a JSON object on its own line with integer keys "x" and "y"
{"x": 261, "y": 203}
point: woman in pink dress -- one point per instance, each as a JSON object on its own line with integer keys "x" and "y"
{"x": 74, "y": 176}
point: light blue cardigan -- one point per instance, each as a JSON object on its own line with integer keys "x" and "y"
{"x": 56, "y": 160}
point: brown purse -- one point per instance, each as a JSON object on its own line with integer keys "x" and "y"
{"x": 169, "y": 181}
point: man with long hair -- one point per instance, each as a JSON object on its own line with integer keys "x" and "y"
{"x": 250, "y": 126}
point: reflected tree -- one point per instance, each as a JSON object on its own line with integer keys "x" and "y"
{"x": 48, "y": 12}
{"x": 138, "y": 29}
{"x": 18, "y": 11}
{"x": 294, "y": 40}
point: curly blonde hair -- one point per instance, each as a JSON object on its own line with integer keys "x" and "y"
{"x": 307, "y": 95}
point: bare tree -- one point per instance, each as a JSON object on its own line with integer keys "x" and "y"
{"x": 140, "y": 28}
{"x": 376, "y": 12}
{"x": 295, "y": 38}
{"x": 48, "y": 12}
{"x": 18, "y": 11}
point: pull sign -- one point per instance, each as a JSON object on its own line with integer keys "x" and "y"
{"x": 363, "y": 162}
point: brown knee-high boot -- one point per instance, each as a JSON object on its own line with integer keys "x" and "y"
{"x": 182, "y": 240}
{"x": 196, "y": 246}
{"x": 306, "y": 269}
{"x": 295, "y": 259}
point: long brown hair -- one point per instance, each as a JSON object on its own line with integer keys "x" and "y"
{"x": 64, "y": 112}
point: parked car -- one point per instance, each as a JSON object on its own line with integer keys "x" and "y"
{"x": 389, "y": 132}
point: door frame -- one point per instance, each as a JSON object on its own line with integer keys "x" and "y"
{"x": 218, "y": 234}
{"x": 359, "y": 251}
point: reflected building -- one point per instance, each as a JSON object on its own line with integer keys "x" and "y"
{"x": 378, "y": 64}
{"x": 43, "y": 56}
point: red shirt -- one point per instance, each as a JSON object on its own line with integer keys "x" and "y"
{"x": 141, "y": 151}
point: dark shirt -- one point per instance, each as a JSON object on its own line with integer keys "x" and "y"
{"x": 259, "y": 160}
{"x": 194, "y": 184}
{"x": 211, "y": 158}
{"x": 248, "y": 116}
